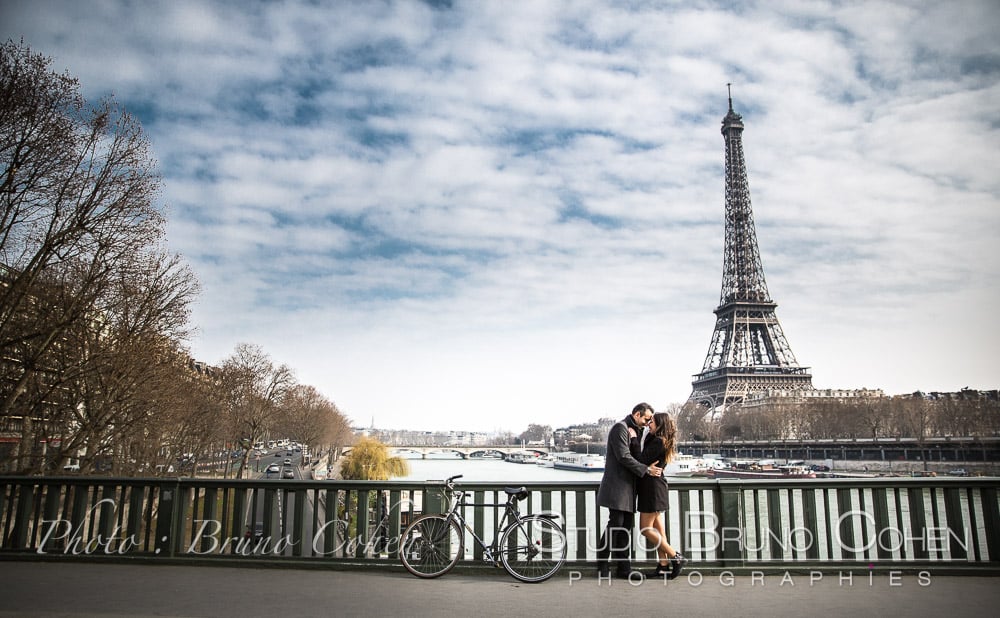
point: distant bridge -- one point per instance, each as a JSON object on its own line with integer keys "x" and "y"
{"x": 464, "y": 452}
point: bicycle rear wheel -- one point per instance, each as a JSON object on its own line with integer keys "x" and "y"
{"x": 533, "y": 549}
{"x": 431, "y": 546}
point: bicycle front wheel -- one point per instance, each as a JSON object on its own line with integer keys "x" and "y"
{"x": 533, "y": 549}
{"x": 431, "y": 545}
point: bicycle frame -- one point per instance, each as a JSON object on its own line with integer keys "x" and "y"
{"x": 511, "y": 516}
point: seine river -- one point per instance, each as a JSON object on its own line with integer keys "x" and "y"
{"x": 490, "y": 470}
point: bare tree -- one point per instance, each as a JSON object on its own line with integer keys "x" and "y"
{"x": 536, "y": 433}
{"x": 309, "y": 417}
{"x": 988, "y": 415}
{"x": 118, "y": 368}
{"x": 79, "y": 232}
{"x": 183, "y": 416}
{"x": 911, "y": 417}
{"x": 92, "y": 310}
{"x": 691, "y": 423}
{"x": 873, "y": 416}
{"x": 253, "y": 390}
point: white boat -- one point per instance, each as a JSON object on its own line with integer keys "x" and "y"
{"x": 685, "y": 466}
{"x": 547, "y": 461}
{"x": 579, "y": 461}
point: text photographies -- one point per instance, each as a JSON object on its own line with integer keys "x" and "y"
{"x": 728, "y": 579}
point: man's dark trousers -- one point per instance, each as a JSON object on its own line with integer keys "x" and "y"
{"x": 619, "y": 533}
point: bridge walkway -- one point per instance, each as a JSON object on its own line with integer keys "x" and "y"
{"x": 81, "y": 590}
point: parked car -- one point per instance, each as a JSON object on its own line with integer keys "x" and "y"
{"x": 958, "y": 472}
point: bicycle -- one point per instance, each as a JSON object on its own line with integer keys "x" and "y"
{"x": 531, "y": 548}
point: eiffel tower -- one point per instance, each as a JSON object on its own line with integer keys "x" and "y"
{"x": 749, "y": 352}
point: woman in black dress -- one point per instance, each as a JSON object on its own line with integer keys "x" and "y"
{"x": 659, "y": 447}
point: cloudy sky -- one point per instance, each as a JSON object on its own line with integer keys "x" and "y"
{"x": 480, "y": 215}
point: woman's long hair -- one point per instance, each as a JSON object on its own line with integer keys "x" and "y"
{"x": 666, "y": 431}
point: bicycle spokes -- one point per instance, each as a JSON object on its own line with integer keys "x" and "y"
{"x": 533, "y": 549}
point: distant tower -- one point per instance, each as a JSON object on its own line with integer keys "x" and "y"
{"x": 748, "y": 352}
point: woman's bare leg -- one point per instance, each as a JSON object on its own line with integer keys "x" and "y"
{"x": 651, "y": 526}
{"x": 662, "y": 531}
{"x": 647, "y": 525}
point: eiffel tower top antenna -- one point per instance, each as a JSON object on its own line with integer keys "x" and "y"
{"x": 729, "y": 87}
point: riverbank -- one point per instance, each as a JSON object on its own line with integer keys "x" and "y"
{"x": 908, "y": 468}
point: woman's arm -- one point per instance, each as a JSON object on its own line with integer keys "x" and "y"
{"x": 652, "y": 451}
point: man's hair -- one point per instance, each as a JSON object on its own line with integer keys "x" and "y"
{"x": 642, "y": 408}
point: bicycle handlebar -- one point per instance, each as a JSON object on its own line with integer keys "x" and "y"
{"x": 449, "y": 488}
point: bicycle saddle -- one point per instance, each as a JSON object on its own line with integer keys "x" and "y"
{"x": 520, "y": 492}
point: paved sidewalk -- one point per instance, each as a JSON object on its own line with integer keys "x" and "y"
{"x": 30, "y": 589}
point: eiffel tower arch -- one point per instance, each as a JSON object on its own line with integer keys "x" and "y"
{"x": 749, "y": 352}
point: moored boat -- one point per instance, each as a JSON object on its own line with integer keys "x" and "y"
{"x": 546, "y": 461}
{"x": 579, "y": 461}
{"x": 684, "y": 466}
{"x": 756, "y": 470}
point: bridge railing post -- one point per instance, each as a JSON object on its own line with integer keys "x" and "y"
{"x": 167, "y": 531}
{"x": 434, "y": 498}
{"x": 730, "y": 507}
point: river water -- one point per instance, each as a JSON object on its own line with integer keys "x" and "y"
{"x": 490, "y": 470}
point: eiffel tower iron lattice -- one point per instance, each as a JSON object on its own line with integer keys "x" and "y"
{"x": 748, "y": 352}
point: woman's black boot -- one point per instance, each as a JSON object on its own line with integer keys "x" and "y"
{"x": 676, "y": 564}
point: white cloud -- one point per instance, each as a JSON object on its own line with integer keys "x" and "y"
{"x": 504, "y": 213}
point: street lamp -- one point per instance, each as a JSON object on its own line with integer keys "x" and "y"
{"x": 246, "y": 445}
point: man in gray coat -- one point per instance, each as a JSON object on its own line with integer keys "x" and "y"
{"x": 617, "y": 492}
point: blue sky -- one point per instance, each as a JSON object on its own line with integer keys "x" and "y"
{"x": 480, "y": 215}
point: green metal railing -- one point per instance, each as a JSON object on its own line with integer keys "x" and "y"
{"x": 816, "y": 523}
